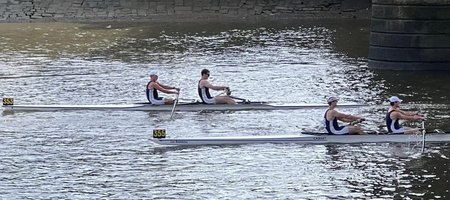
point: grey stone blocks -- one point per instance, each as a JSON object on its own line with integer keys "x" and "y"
{"x": 116, "y": 9}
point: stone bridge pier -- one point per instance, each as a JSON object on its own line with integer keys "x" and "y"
{"x": 410, "y": 35}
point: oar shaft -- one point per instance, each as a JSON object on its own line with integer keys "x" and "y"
{"x": 174, "y": 105}
{"x": 423, "y": 136}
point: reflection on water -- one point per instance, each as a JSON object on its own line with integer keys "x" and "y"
{"x": 142, "y": 41}
{"x": 54, "y": 40}
{"x": 108, "y": 154}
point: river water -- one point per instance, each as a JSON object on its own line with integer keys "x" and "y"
{"x": 108, "y": 154}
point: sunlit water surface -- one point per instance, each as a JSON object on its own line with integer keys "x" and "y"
{"x": 108, "y": 154}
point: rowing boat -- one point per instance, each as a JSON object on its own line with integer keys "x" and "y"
{"x": 316, "y": 138}
{"x": 182, "y": 106}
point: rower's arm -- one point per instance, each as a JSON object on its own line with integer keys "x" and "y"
{"x": 400, "y": 115}
{"x": 168, "y": 87}
{"x": 162, "y": 89}
{"x": 208, "y": 85}
{"x": 346, "y": 118}
{"x": 407, "y": 113}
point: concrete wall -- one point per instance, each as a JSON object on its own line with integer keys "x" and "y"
{"x": 62, "y": 10}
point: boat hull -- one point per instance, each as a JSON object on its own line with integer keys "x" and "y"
{"x": 306, "y": 139}
{"x": 180, "y": 107}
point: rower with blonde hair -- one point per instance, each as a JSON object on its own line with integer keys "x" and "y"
{"x": 394, "y": 114}
{"x": 153, "y": 86}
{"x": 332, "y": 116}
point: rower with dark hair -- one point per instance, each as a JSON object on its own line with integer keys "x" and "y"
{"x": 205, "y": 96}
{"x": 394, "y": 114}
{"x": 332, "y": 116}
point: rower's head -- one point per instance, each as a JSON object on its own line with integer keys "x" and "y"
{"x": 332, "y": 100}
{"x": 205, "y": 73}
{"x": 394, "y": 100}
{"x": 153, "y": 75}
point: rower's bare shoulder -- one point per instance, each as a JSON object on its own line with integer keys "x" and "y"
{"x": 204, "y": 83}
{"x": 397, "y": 115}
{"x": 333, "y": 113}
{"x": 153, "y": 85}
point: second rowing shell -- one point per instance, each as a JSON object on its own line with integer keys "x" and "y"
{"x": 307, "y": 139}
{"x": 179, "y": 107}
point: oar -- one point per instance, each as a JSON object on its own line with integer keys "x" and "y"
{"x": 174, "y": 104}
{"x": 423, "y": 136}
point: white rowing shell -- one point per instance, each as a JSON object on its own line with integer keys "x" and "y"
{"x": 179, "y": 107}
{"x": 305, "y": 139}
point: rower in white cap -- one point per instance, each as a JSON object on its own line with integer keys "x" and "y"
{"x": 154, "y": 86}
{"x": 331, "y": 120}
{"x": 395, "y": 113}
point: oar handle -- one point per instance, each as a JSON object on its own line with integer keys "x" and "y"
{"x": 228, "y": 91}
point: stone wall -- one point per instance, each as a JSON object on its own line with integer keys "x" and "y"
{"x": 63, "y": 10}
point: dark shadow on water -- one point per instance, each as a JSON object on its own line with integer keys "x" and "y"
{"x": 424, "y": 87}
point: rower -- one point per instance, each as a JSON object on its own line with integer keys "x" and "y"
{"x": 153, "y": 86}
{"x": 395, "y": 113}
{"x": 205, "y": 96}
{"x": 331, "y": 120}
